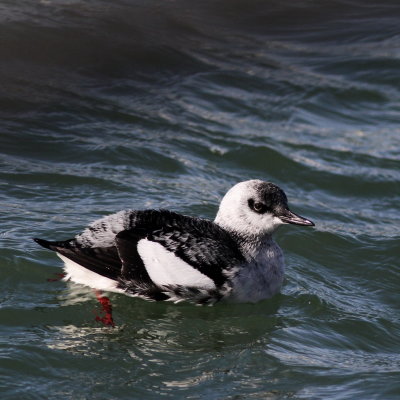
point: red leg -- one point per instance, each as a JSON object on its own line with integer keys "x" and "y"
{"x": 106, "y": 308}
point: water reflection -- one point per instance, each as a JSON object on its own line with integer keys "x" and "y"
{"x": 148, "y": 328}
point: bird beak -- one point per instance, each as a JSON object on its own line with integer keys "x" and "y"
{"x": 289, "y": 217}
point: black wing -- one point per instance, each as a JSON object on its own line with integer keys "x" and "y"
{"x": 199, "y": 242}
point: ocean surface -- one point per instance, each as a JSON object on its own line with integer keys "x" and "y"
{"x": 107, "y": 105}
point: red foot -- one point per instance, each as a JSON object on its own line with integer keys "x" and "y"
{"x": 106, "y": 308}
{"x": 59, "y": 276}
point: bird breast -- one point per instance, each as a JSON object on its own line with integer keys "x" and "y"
{"x": 261, "y": 278}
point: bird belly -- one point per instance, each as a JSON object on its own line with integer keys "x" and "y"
{"x": 78, "y": 274}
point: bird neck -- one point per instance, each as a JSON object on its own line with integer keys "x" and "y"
{"x": 253, "y": 246}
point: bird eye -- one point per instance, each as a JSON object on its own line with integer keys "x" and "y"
{"x": 257, "y": 206}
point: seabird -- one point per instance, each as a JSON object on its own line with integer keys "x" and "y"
{"x": 162, "y": 255}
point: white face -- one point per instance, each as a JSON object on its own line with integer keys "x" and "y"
{"x": 238, "y": 209}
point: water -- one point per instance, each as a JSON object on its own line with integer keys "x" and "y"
{"x": 139, "y": 104}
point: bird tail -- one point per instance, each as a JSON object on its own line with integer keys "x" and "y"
{"x": 55, "y": 246}
{"x": 103, "y": 261}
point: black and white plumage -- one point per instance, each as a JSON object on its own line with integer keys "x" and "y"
{"x": 163, "y": 255}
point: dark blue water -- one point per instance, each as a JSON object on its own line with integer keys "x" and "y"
{"x": 146, "y": 104}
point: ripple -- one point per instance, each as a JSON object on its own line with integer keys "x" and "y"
{"x": 114, "y": 105}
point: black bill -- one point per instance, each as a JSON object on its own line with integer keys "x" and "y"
{"x": 289, "y": 217}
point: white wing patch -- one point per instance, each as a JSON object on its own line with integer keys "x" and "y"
{"x": 164, "y": 268}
